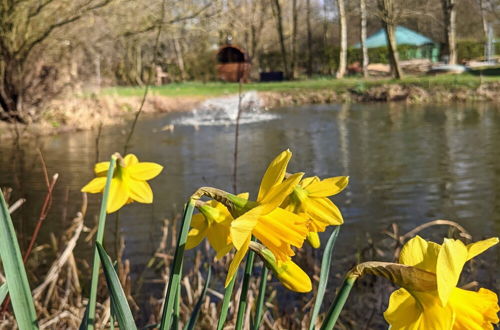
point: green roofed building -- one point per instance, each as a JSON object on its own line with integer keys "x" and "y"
{"x": 419, "y": 46}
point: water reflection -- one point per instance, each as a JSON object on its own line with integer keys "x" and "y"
{"x": 407, "y": 165}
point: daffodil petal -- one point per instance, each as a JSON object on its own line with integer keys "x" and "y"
{"x": 244, "y": 195}
{"x": 450, "y": 262}
{"x": 217, "y": 236}
{"x": 195, "y": 236}
{"x": 95, "y": 186}
{"x": 313, "y": 239}
{"x": 274, "y": 174}
{"x": 241, "y": 227}
{"x": 235, "y": 263}
{"x": 140, "y": 191}
{"x": 293, "y": 277}
{"x": 323, "y": 209}
{"x": 279, "y": 230}
{"x": 403, "y": 311}
{"x": 130, "y": 160}
{"x": 420, "y": 253}
{"x": 118, "y": 195}
{"x": 433, "y": 314}
{"x": 198, "y": 221}
{"x": 224, "y": 214}
{"x": 101, "y": 168}
{"x": 144, "y": 171}
{"x": 476, "y": 248}
{"x": 328, "y": 187}
{"x": 474, "y": 310}
{"x": 307, "y": 181}
{"x": 277, "y": 194}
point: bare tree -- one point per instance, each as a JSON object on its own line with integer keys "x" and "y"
{"x": 309, "y": 39}
{"x": 295, "y": 15}
{"x": 24, "y": 26}
{"x": 450, "y": 13}
{"x": 343, "y": 40}
{"x": 389, "y": 17}
{"x": 277, "y": 13}
{"x": 364, "y": 50}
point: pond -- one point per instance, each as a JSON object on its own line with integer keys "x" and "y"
{"x": 407, "y": 165}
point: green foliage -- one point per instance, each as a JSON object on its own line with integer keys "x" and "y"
{"x": 4, "y": 290}
{"x": 197, "y": 308}
{"x": 15, "y": 273}
{"x": 118, "y": 299}
{"x": 259, "y": 309}
{"x": 469, "y": 49}
{"x": 324, "y": 275}
{"x": 89, "y": 317}
{"x": 225, "y": 304}
{"x": 242, "y": 307}
{"x": 175, "y": 274}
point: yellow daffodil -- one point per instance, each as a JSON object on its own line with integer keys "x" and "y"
{"x": 310, "y": 199}
{"x": 275, "y": 227}
{"x": 446, "y": 307}
{"x": 128, "y": 183}
{"x": 288, "y": 273}
{"x": 213, "y": 222}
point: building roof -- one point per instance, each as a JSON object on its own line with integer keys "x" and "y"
{"x": 404, "y": 36}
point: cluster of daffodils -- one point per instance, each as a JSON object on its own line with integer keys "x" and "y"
{"x": 288, "y": 209}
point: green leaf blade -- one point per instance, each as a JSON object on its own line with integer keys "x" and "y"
{"x": 118, "y": 299}
{"x": 197, "y": 308}
{"x": 15, "y": 273}
{"x": 3, "y": 292}
{"x": 324, "y": 274}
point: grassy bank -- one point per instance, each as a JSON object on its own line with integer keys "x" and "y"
{"x": 210, "y": 89}
{"x": 114, "y": 105}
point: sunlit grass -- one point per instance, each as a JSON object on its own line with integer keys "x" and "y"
{"x": 320, "y": 83}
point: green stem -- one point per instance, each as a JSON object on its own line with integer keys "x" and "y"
{"x": 90, "y": 317}
{"x": 244, "y": 290}
{"x": 175, "y": 274}
{"x": 225, "y": 304}
{"x": 260, "y": 300}
{"x": 338, "y": 304}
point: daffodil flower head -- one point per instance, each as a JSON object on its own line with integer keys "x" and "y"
{"x": 309, "y": 199}
{"x": 446, "y": 307}
{"x": 288, "y": 273}
{"x": 213, "y": 222}
{"x": 128, "y": 183}
{"x": 275, "y": 227}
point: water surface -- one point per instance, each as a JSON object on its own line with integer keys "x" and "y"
{"x": 407, "y": 165}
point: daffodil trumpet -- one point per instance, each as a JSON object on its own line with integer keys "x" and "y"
{"x": 310, "y": 199}
{"x": 288, "y": 273}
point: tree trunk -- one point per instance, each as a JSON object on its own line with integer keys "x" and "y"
{"x": 279, "y": 26}
{"x": 362, "y": 8}
{"x": 450, "y": 13}
{"x": 10, "y": 89}
{"x": 309, "y": 39}
{"x": 179, "y": 59}
{"x": 388, "y": 17}
{"x": 343, "y": 40}
{"x": 390, "y": 30}
{"x": 293, "y": 63}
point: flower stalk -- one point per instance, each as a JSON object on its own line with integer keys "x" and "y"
{"x": 90, "y": 315}
{"x": 339, "y": 302}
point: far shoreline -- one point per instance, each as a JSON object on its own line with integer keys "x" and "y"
{"x": 114, "y": 106}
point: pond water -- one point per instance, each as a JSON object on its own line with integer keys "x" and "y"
{"x": 407, "y": 165}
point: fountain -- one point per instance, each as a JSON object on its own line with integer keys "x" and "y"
{"x": 224, "y": 111}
